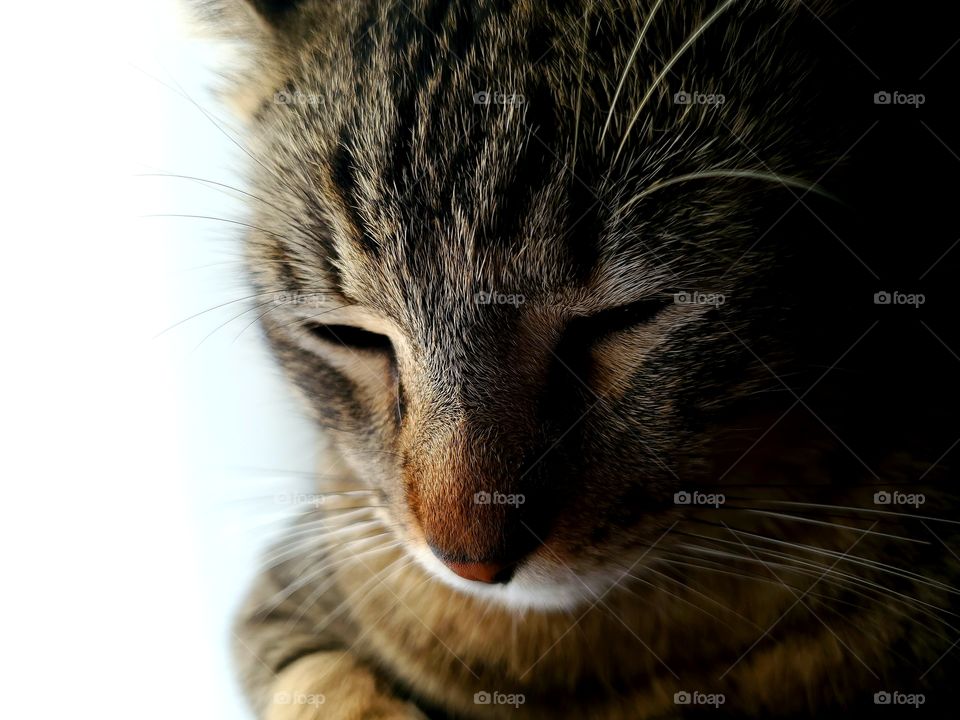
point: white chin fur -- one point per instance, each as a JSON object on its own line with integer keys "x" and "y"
{"x": 526, "y": 589}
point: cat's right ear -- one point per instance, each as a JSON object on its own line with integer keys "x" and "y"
{"x": 262, "y": 31}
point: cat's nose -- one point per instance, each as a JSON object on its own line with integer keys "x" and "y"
{"x": 485, "y": 572}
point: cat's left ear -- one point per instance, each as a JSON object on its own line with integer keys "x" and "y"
{"x": 262, "y": 31}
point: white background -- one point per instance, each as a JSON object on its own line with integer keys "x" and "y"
{"x": 139, "y": 467}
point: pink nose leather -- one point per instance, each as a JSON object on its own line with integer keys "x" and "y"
{"x": 485, "y": 572}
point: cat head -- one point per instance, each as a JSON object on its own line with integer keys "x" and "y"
{"x": 533, "y": 268}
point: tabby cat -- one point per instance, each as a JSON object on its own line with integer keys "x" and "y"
{"x": 628, "y": 326}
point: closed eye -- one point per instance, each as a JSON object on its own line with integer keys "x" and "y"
{"x": 351, "y": 337}
{"x": 575, "y": 349}
{"x": 613, "y": 320}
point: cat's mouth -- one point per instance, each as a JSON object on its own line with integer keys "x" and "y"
{"x": 473, "y": 540}
{"x": 537, "y": 579}
{"x": 489, "y": 569}
{"x": 536, "y": 582}
{"x": 491, "y": 572}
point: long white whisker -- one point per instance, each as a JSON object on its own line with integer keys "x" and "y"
{"x": 666, "y": 69}
{"x": 373, "y": 581}
{"x": 311, "y": 541}
{"x": 831, "y": 573}
{"x": 787, "y": 180}
{"x": 797, "y": 518}
{"x": 663, "y": 590}
{"x": 873, "y": 511}
{"x": 704, "y": 596}
{"x": 583, "y": 62}
{"x": 626, "y": 69}
{"x": 315, "y": 573}
{"x": 831, "y": 581}
{"x": 853, "y": 559}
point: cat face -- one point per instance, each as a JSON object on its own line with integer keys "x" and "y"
{"x": 519, "y": 266}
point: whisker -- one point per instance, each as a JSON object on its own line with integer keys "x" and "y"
{"x": 716, "y": 567}
{"x": 204, "y": 312}
{"x": 729, "y": 507}
{"x": 854, "y": 559}
{"x": 190, "y": 216}
{"x": 278, "y": 177}
{"x": 286, "y": 517}
{"x": 308, "y": 578}
{"x": 224, "y": 186}
{"x": 723, "y": 570}
{"x": 663, "y": 590}
{"x": 256, "y": 320}
{"x": 871, "y": 511}
{"x": 825, "y": 523}
{"x": 704, "y": 596}
{"x": 826, "y": 572}
{"x": 301, "y": 320}
{"x": 669, "y": 66}
{"x": 786, "y": 180}
{"x": 311, "y": 576}
{"x": 232, "y": 320}
{"x": 626, "y": 69}
{"x": 378, "y": 577}
{"x": 318, "y": 538}
{"x": 583, "y": 62}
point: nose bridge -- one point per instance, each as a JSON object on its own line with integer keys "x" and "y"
{"x": 464, "y": 486}
{"x": 487, "y": 381}
{"x": 473, "y": 431}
